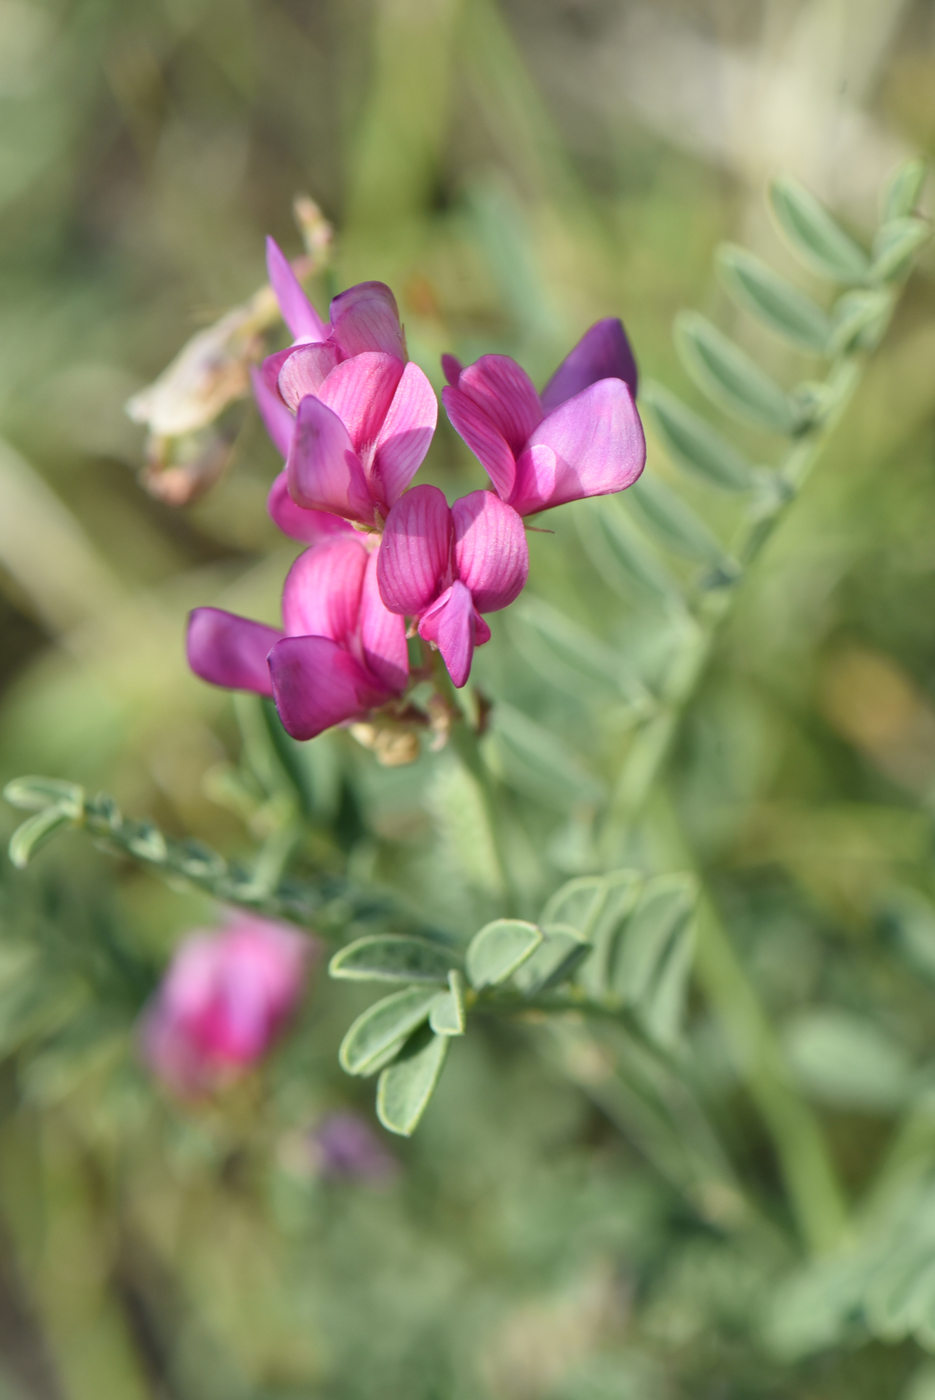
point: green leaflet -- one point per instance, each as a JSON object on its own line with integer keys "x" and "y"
{"x": 148, "y": 842}
{"x": 901, "y": 194}
{"x": 383, "y": 1026}
{"x": 449, "y": 1012}
{"x": 27, "y": 838}
{"x": 537, "y": 761}
{"x": 404, "y": 1089}
{"x": 814, "y": 236}
{"x": 859, "y": 318}
{"x": 674, "y": 524}
{"x": 847, "y": 1061}
{"x": 392, "y": 958}
{"x": 32, "y": 794}
{"x": 775, "y": 302}
{"x": 594, "y": 906}
{"x": 894, "y": 245}
{"x": 557, "y": 956}
{"x": 562, "y": 650}
{"x": 693, "y": 444}
{"x": 499, "y": 949}
{"x": 626, "y": 561}
{"x": 650, "y": 958}
{"x": 728, "y": 376}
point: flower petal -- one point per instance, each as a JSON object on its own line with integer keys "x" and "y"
{"x": 229, "y": 650}
{"x": 321, "y": 595}
{"x": 484, "y": 439}
{"x": 382, "y": 633}
{"x": 303, "y": 370}
{"x": 297, "y": 311}
{"x": 366, "y": 317}
{"x": 405, "y": 436}
{"x": 603, "y": 352}
{"x": 277, "y": 419}
{"x": 415, "y": 552}
{"x": 317, "y": 684}
{"x": 324, "y": 470}
{"x": 309, "y": 526}
{"x": 589, "y": 446}
{"x": 451, "y": 369}
{"x": 360, "y": 391}
{"x": 451, "y": 623}
{"x": 490, "y": 550}
{"x": 504, "y": 392}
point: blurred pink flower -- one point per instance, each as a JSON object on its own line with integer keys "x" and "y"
{"x": 224, "y": 1000}
{"x": 447, "y": 566}
{"x": 345, "y": 1145}
{"x": 343, "y": 653}
{"x": 583, "y": 437}
{"x": 352, "y": 418}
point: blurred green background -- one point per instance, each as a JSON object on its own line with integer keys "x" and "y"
{"x": 515, "y": 170}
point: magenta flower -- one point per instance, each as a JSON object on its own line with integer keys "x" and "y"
{"x": 225, "y": 998}
{"x": 445, "y": 567}
{"x": 343, "y": 653}
{"x": 352, "y": 418}
{"x": 583, "y": 437}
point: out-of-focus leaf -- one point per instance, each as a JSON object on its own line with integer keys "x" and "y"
{"x": 499, "y": 949}
{"x": 894, "y": 245}
{"x": 563, "y": 651}
{"x": 449, "y": 1014}
{"x": 32, "y": 794}
{"x": 661, "y": 915}
{"x": 537, "y": 761}
{"x": 383, "y": 1028}
{"x": 814, "y": 236}
{"x": 730, "y": 378}
{"x": 693, "y": 443}
{"x": 560, "y": 952}
{"x": 392, "y": 958}
{"x": 771, "y": 299}
{"x": 674, "y": 524}
{"x": 622, "y": 556}
{"x": 910, "y": 917}
{"x": 902, "y": 193}
{"x": 405, "y": 1088}
{"x": 859, "y": 317}
{"x": 578, "y": 904}
{"x": 148, "y": 842}
{"x": 847, "y": 1061}
{"x": 27, "y": 838}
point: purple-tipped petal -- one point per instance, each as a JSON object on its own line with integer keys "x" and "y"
{"x": 490, "y": 550}
{"x": 360, "y": 391}
{"x": 382, "y": 633}
{"x": 230, "y": 651}
{"x": 414, "y": 564}
{"x": 603, "y": 352}
{"x": 309, "y": 526}
{"x": 321, "y": 595}
{"x": 365, "y": 318}
{"x": 277, "y": 419}
{"x": 297, "y": 311}
{"x": 303, "y": 370}
{"x": 451, "y": 369}
{"x": 503, "y": 391}
{"x": 323, "y": 469}
{"x": 484, "y": 439}
{"x": 452, "y": 624}
{"x": 590, "y": 446}
{"x": 404, "y": 437}
{"x": 317, "y": 684}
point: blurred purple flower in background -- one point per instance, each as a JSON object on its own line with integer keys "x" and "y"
{"x": 345, "y": 1145}
{"x": 225, "y": 998}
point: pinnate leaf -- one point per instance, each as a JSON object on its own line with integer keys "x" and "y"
{"x": 501, "y": 947}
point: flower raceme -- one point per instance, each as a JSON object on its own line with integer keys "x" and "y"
{"x": 582, "y": 437}
{"x": 445, "y": 566}
{"x": 343, "y": 653}
{"x": 226, "y": 997}
{"x": 351, "y": 416}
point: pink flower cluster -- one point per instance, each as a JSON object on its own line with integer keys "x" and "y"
{"x": 353, "y": 419}
{"x": 223, "y": 1002}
